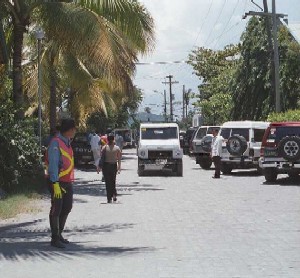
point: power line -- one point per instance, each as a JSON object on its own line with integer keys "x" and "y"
{"x": 227, "y": 23}
{"x": 203, "y": 22}
{"x": 218, "y": 17}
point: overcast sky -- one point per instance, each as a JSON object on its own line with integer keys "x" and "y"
{"x": 181, "y": 25}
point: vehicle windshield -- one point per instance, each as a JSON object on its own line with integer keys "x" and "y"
{"x": 162, "y": 133}
{"x": 80, "y": 138}
{"x": 278, "y": 133}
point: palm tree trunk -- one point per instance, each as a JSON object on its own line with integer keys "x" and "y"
{"x": 18, "y": 97}
{"x": 53, "y": 92}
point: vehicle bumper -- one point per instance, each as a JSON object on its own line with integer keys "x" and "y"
{"x": 242, "y": 163}
{"x": 280, "y": 165}
{"x": 158, "y": 164}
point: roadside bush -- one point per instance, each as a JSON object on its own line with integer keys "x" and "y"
{"x": 288, "y": 116}
{"x": 20, "y": 167}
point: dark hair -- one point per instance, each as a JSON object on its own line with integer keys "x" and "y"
{"x": 110, "y": 137}
{"x": 66, "y": 125}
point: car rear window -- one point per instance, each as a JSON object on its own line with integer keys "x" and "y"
{"x": 278, "y": 133}
{"x": 259, "y": 135}
{"x": 201, "y": 132}
{"x": 225, "y": 132}
{"x": 228, "y": 132}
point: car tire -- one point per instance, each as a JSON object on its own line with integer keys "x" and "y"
{"x": 270, "y": 174}
{"x": 226, "y": 169}
{"x": 141, "y": 171}
{"x": 236, "y": 145}
{"x": 179, "y": 167}
{"x": 205, "y": 163}
{"x": 289, "y": 148}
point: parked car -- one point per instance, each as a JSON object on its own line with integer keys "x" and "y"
{"x": 201, "y": 146}
{"x": 187, "y": 140}
{"x": 241, "y": 149}
{"x": 159, "y": 148}
{"x": 82, "y": 149}
{"x": 280, "y": 150}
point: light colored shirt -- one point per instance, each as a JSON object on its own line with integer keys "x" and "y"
{"x": 216, "y": 146}
{"x": 54, "y": 158}
{"x": 111, "y": 153}
{"x": 95, "y": 142}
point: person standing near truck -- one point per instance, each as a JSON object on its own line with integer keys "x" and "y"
{"x": 216, "y": 151}
{"x": 60, "y": 162}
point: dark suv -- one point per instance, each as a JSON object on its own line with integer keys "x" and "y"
{"x": 280, "y": 151}
{"x": 82, "y": 149}
{"x": 187, "y": 139}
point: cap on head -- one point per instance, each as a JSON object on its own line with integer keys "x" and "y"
{"x": 66, "y": 125}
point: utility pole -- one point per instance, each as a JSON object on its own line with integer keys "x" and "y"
{"x": 183, "y": 102}
{"x": 276, "y": 59}
{"x": 170, "y": 82}
{"x": 275, "y": 18}
{"x": 165, "y": 105}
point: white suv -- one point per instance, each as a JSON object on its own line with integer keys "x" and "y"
{"x": 241, "y": 147}
{"x": 159, "y": 148}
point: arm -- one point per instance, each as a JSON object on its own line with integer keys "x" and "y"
{"x": 119, "y": 156}
{"x": 54, "y": 161}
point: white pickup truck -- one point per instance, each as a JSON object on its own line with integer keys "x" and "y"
{"x": 159, "y": 148}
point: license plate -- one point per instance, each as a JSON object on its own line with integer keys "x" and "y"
{"x": 160, "y": 161}
{"x": 86, "y": 157}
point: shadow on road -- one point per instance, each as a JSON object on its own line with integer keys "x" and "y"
{"x": 285, "y": 182}
{"x": 97, "y": 188}
{"x": 24, "y": 241}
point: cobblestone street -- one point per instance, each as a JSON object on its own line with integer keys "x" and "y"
{"x": 192, "y": 226}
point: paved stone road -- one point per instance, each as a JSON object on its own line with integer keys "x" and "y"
{"x": 164, "y": 227}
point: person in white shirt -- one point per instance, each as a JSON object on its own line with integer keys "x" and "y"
{"x": 96, "y": 148}
{"x": 216, "y": 151}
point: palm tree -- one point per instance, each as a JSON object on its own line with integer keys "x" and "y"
{"x": 123, "y": 28}
{"x": 106, "y": 50}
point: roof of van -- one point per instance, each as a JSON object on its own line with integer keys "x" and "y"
{"x": 246, "y": 124}
{"x": 158, "y": 125}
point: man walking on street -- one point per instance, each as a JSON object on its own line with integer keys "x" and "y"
{"x": 96, "y": 148}
{"x": 216, "y": 151}
{"x": 60, "y": 162}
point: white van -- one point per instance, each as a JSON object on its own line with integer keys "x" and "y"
{"x": 241, "y": 147}
{"x": 159, "y": 148}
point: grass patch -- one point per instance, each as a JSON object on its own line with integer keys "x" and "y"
{"x": 12, "y": 205}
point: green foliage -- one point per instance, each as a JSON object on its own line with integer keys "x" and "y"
{"x": 19, "y": 160}
{"x": 118, "y": 117}
{"x": 216, "y": 71}
{"x": 236, "y": 83}
{"x": 288, "y": 116}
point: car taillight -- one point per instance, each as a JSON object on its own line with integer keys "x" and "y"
{"x": 262, "y": 151}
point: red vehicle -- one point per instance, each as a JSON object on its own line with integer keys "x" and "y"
{"x": 280, "y": 151}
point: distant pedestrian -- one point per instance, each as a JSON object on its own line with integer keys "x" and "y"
{"x": 111, "y": 166}
{"x": 216, "y": 151}
{"x": 119, "y": 141}
{"x": 60, "y": 161}
{"x": 96, "y": 148}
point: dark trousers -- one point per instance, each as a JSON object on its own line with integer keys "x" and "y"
{"x": 217, "y": 163}
{"x": 60, "y": 209}
{"x": 110, "y": 174}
